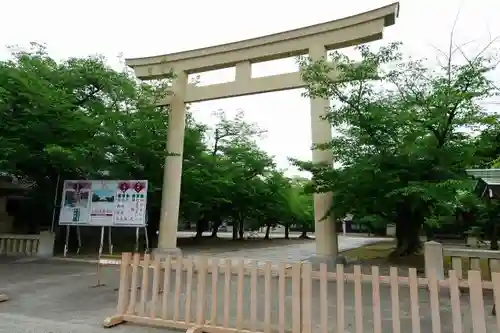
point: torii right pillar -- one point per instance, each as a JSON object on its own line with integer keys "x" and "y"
{"x": 321, "y": 131}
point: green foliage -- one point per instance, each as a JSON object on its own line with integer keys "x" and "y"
{"x": 406, "y": 132}
{"x": 78, "y": 117}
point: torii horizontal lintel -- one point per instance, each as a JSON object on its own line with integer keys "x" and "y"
{"x": 272, "y": 83}
{"x": 353, "y": 30}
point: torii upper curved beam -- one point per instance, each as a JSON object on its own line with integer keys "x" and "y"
{"x": 348, "y": 31}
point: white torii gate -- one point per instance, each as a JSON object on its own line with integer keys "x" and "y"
{"x": 314, "y": 40}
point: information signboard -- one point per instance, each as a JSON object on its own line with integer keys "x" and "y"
{"x": 104, "y": 203}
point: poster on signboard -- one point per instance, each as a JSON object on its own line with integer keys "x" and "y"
{"x": 109, "y": 203}
{"x": 131, "y": 202}
{"x": 75, "y": 202}
{"x": 103, "y": 202}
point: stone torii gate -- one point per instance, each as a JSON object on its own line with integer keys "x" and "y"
{"x": 314, "y": 40}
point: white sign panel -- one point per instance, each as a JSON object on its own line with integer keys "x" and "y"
{"x": 113, "y": 203}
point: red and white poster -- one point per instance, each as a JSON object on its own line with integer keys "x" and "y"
{"x": 131, "y": 198}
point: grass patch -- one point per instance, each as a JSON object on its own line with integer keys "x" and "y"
{"x": 372, "y": 251}
{"x": 378, "y": 254}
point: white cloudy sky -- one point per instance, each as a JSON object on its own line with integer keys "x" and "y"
{"x": 149, "y": 27}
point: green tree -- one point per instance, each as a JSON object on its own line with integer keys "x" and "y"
{"x": 78, "y": 117}
{"x": 488, "y": 147}
{"x": 273, "y": 202}
{"x": 227, "y": 172}
{"x": 404, "y": 134}
{"x": 60, "y": 119}
{"x": 300, "y": 203}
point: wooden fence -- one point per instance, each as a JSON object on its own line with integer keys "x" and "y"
{"x": 229, "y": 296}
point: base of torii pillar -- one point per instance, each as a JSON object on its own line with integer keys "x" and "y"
{"x": 163, "y": 253}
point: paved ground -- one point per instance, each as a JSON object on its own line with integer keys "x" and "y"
{"x": 273, "y": 234}
{"x": 289, "y": 253}
{"x": 228, "y": 234}
{"x": 48, "y": 296}
{"x": 56, "y": 297}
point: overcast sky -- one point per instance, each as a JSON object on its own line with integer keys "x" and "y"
{"x": 150, "y": 27}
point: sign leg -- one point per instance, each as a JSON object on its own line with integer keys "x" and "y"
{"x": 136, "y": 239}
{"x": 110, "y": 241}
{"x": 79, "y": 238}
{"x": 146, "y": 238}
{"x": 101, "y": 246}
{"x": 66, "y": 241}
{"x": 54, "y": 204}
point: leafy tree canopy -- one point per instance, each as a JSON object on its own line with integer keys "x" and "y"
{"x": 405, "y": 134}
{"x": 78, "y": 117}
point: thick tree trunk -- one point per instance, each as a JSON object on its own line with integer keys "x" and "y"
{"x": 303, "y": 235}
{"x": 268, "y": 231}
{"x": 199, "y": 231}
{"x": 287, "y": 231}
{"x": 201, "y": 227}
{"x": 408, "y": 229}
{"x": 235, "y": 230}
{"x": 241, "y": 229}
{"x": 494, "y": 237}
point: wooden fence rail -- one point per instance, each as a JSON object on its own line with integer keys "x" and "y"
{"x": 461, "y": 260}
{"x": 242, "y": 296}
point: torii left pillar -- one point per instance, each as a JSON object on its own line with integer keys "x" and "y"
{"x": 172, "y": 172}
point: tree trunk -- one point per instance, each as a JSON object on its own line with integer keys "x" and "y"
{"x": 287, "y": 231}
{"x": 241, "y": 229}
{"x": 492, "y": 221}
{"x": 199, "y": 231}
{"x": 235, "y": 230}
{"x": 201, "y": 227}
{"x": 494, "y": 238}
{"x": 268, "y": 231}
{"x": 215, "y": 228}
{"x": 408, "y": 229}
{"x": 303, "y": 235}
